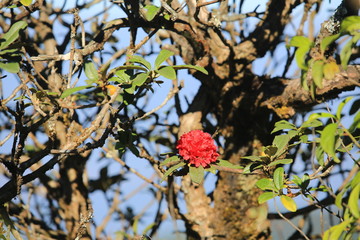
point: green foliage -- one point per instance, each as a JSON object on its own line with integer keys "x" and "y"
{"x": 328, "y": 143}
{"x": 323, "y": 67}
{"x": 10, "y": 56}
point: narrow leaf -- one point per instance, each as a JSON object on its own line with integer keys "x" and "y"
{"x": 198, "y": 68}
{"x": 354, "y": 202}
{"x": 12, "y": 34}
{"x": 280, "y": 161}
{"x": 327, "y": 41}
{"x": 224, "y": 163}
{"x": 317, "y": 73}
{"x": 300, "y": 41}
{"x": 283, "y": 124}
{"x": 279, "y": 178}
{"x": 341, "y": 106}
{"x": 163, "y": 55}
{"x": 172, "y": 169}
{"x": 327, "y": 139}
{"x": 288, "y": 203}
{"x": 170, "y": 159}
{"x": 70, "y": 91}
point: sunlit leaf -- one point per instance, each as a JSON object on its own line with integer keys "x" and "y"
{"x": 13, "y": 33}
{"x": 346, "y": 52}
{"x": 266, "y": 196}
{"x": 354, "y": 201}
{"x": 317, "y": 73}
{"x": 266, "y": 184}
{"x": 224, "y": 163}
{"x": 172, "y": 169}
{"x": 341, "y": 106}
{"x": 140, "y": 60}
{"x": 70, "y": 91}
{"x": 198, "y": 68}
{"x": 11, "y": 67}
{"x": 330, "y": 70}
{"x": 163, "y": 55}
{"x": 336, "y": 231}
{"x": 279, "y": 178}
{"x": 26, "y": 2}
{"x": 168, "y": 72}
{"x": 327, "y": 41}
{"x": 327, "y": 140}
{"x": 280, "y": 161}
{"x": 350, "y": 24}
{"x": 140, "y": 79}
{"x": 283, "y": 124}
{"x": 300, "y": 41}
{"x": 151, "y": 11}
{"x": 288, "y": 203}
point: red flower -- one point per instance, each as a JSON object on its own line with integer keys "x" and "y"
{"x": 198, "y": 148}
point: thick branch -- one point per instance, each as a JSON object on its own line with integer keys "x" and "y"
{"x": 284, "y": 95}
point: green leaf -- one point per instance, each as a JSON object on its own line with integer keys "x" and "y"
{"x": 196, "y": 174}
{"x": 170, "y": 159}
{"x": 140, "y": 79}
{"x": 26, "y": 2}
{"x": 288, "y": 203}
{"x": 163, "y": 55}
{"x": 11, "y": 67}
{"x": 70, "y": 91}
{"x": 167, "y": 71}
{"x": 147, "y": 228}
{"x": 266, "y": 184}
{"x": 280, "y": 161}
{"x": 338, "y": 200}
{"x": 350, "y": 24}
{"x": 252, "y": 158}
{"x": 341, "y": 106}
{"x": 279, "y": 178}
{"x": 336, "y": 231}
{"x": 318, "y": 73}
{"x": 301, "y": 41}
{"x": 281, "y": 125}
{"x": 224, "y": 163}
{"x": 140, "y": 60}
{"x": 346, "y": 52}
{"x": 134, "y": 150}
{"x": 281, "y": 142}
{"x": 319, "y": 153}
{"x": 327, "y": 41}
{"x": 327, "y": 140}
{"x": 311, "y": 123}
{"x": 354, "y": 202}
{"x": 129, "y": 67}
{"x": 198, "y": 68}
{"x": 297, "y": 180}
{"x": 123, "y": 77}
{"x": 266, "y": 196}
{"x": 356, "y": 123}
{"x": 172, "y": 169}
{"x": 151, "y": 11}
{"x": 12, "y": 34}
{"x": 91, "y": 71}
{"x": 300, "y": 55}
{"x": 321, "y": 115}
